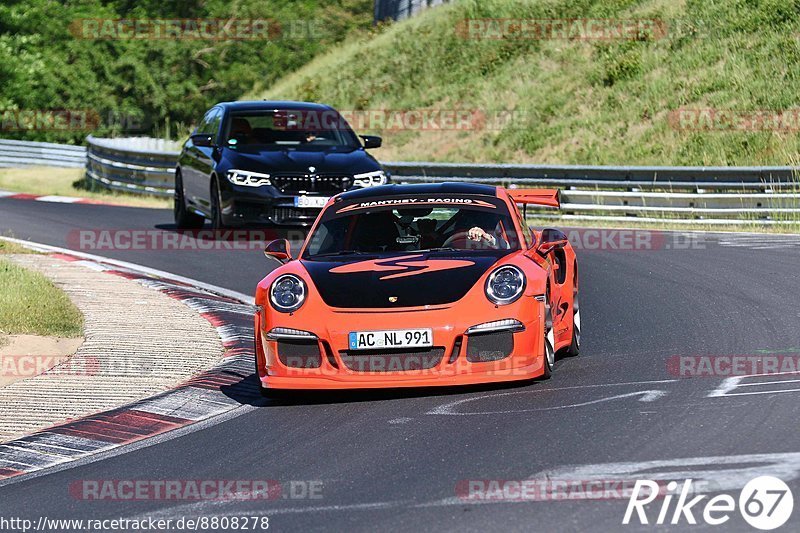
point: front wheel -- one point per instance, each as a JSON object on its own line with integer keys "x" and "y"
{"x": 216, "y": 207}
{"x": 184, "y": 219}
{"x": 549, "y": 342}
{"x": 575, "y": 347}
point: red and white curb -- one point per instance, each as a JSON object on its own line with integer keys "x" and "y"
{"x": 214, "y": 392}
{"x": 54, "y": 198}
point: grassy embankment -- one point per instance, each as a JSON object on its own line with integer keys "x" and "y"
{"x": 604, "y": 102}
{"x": 576, "y": 101}
{"x": 31, "y": 304}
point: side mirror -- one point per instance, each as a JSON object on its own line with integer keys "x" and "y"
{"x": 372, "y": 141}
{"x": 552, "y": 239}
{"x": 279, "y": 250}
{"x": 203, "y": 139}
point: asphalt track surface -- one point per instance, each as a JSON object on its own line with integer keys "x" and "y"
{"x": 393, "y": 461}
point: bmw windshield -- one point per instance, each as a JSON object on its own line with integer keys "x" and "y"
{"x": 292, "y": 130}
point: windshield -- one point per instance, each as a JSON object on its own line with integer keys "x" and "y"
{"x": 451, "y": 225}
{"x": 288, "y": 129}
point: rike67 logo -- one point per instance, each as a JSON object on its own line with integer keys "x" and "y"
{"x": 765, "y": 503}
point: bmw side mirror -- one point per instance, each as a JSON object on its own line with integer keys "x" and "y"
{"x": 279, "y": 250}
{"x": 552, "y": 239}
{"x": 372, "y": 141}
{"x": 203, "y": 139}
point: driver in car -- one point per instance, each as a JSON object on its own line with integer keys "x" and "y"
{"x": 478, "y": 234}
{"x": 476, "y": 221}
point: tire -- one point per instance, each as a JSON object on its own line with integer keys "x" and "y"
{"x": 549, "y": 341}
{"x": 216, "y": 207}
{"x": 184, "y": 219}
{"x": 575, "y": 346}
{"x": 261, "y": 389}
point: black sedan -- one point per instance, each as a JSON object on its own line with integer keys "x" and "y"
{"x": 251, "y": 163}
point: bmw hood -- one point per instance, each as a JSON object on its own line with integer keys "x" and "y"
{"x": 408, "y": 280}
{"x": 343, "y": 161}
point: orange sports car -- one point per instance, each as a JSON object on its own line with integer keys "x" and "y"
{"x": 418, "y": 285}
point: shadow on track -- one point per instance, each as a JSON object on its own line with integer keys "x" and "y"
{"x": 246, "y": 391}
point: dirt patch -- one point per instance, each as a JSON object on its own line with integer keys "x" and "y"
{"x": 26, "y": 356}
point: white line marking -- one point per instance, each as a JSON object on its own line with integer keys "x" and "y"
{"x": 447, "y": 408}
{"x": 761, "y": 392}
{"x": 4, "y": 194}
{"x": 729, "y": 384}
{"x": 59, "y": 199}
{"x": 647, "y": 396}
{"x": 93, "y": 265}
{"x": 770, "y": 382}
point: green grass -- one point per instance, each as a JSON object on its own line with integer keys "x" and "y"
{"x": 7, "y": 247}
{"x": 31, "y": 304}
{"x": 574, "y": 102}
{"x": 70, "y": 182}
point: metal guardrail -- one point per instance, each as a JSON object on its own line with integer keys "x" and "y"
{"x": 15, "y": 153}
{"x": 138, "y": 165}
{"x": 599, "y": 176}
{"x": 710, "y": 195}
{"x": 714, "y": 195}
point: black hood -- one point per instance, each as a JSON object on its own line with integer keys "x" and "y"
{"x": 333, "y": 160}
{"x": 411, "y": 280}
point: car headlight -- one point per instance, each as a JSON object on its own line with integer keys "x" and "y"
{"x": 248, "y": 178}
{"x": 505, "y": 285}
{"x": 287, "y": 294}
{"x": 370, "y": 179}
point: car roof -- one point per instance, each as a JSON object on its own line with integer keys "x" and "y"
{"x": 258, "y": 105}
{"x": 420, "y": 188}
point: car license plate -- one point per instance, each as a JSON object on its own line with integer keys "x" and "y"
{"x": 393, "y": 338}
{"x": 311, "y": 201}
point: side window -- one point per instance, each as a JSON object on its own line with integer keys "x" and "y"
{"x": 526, "y": 230}
{"x": 213, "y": 125}
{"x": 210, "y": 123}
{"x": 203, "y": 127}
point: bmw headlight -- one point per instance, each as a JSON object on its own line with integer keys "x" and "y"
{"x": 287, "y": 293}
{"x": 248, "y": 178}
{"x": 505, "y": 285}
{"x": 370, "y": 179}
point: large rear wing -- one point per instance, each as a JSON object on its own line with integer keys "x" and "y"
{"x": 542, "y": 197}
